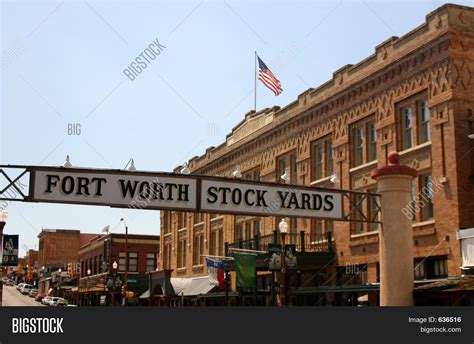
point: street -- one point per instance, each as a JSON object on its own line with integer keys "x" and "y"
{"x": 12, "y": 297}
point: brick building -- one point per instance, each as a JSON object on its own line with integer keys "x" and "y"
{"x": 414, "y": 95}
{"x": 98, "y": 255}
{"x": 31, "y": 258}
{"x": 58, "y": 247}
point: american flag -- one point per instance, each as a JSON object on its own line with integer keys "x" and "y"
{"x": 266, "y": 76}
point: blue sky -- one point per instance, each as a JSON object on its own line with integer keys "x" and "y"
{"x": 62, "y": 63}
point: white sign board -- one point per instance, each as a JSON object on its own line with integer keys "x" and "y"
{"x": 115, "y": 189}
{"x": 270, "y": 200}
{"x": 179, "y": 192}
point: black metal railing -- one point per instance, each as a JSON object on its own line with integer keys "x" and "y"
{"x": 305, "y": 242}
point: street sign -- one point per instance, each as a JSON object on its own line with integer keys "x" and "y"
{"x": 131, "y": 281}
{"x": 269, "y": 199}
{"x": 114, "y": 189}
{"x": 194, "y": 193}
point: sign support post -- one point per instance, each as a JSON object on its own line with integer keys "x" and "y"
{"x": 2, "y": 225}
{"x": 396, "y": 238}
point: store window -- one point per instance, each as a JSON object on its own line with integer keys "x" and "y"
{"x": 426, "y": 189}
{"x": 424, "y": 122}
{"x": 167, "y": 255}
{"x": 246, "y": 228}
{"x": 181, "y": 219}
{"x": 420, "y": 271}
{"x": 287, "y": 162}
{"x": 121, "y": 262}
{"x": 436, "y": 267}
{"x": 217, "y": 238}
{"x": 407, "y": 128}
{"x": 364, "y": 141}
{"x": 198, "y": 218}
{"x": 322, "y": 158}
{"x": 198, "y": 245}
{"x": 133, "y": 262}
{"x": 150, "y": 262}
{"x": 181, "y": 259}
{"x": 253, "y": 174}
{"x": 165, "y": 222}
{"x": 414, "y": 121}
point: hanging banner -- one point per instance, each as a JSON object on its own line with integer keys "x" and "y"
{"x": 290, "y": 257}
{"x": 107, "y": 247}
{"x": 274, "y": 257}
{"x": 10, "y": 250}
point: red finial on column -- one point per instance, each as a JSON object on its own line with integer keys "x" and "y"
{"x": 393, "y": 167}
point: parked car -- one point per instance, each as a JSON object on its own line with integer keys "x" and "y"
{"x": 10, "y": 282}
{"x": 45, "y": 300}
{"x": 51, "y": 301}
{"x": 18, "y": 287}
{"x": 40, "y": 296}
{"x": 33, "y": 293}
{"x": 60, "y": 302}
{"x": 26, "y": 288}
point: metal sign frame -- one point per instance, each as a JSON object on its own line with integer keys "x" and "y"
{"x": 353, "y": 214}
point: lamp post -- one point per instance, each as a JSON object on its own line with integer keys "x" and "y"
{"x": 3, "y": 221}
{"x": 283, "y": 226}
{"x": 125, "y": 275}
{"x": 88, "y": 281}
{"x": 114, "y": 267}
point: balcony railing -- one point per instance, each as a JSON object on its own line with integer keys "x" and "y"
{"x": 305, "y": 242}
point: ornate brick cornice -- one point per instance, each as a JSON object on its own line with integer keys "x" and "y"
{"x": 400, "y": 67}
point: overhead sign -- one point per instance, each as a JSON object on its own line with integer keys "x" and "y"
{"x": 114, "y": 189}
{"x": 269, "y": 199}
{"x": 181, "y": 192}
{"x": 10, "y": 250}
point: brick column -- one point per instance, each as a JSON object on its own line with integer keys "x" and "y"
{"x": 396, "y": 238}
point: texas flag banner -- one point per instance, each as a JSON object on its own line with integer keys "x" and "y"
{"x": 215, "y": 269}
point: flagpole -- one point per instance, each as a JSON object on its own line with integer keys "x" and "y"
{"x": 255, "y": 84}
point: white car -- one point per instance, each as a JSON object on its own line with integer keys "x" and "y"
{"x": 45, "y": 300}
{"x": 18, "y": 287}
{"x": 26, "y": 288}
{"x": 60, "y": 302}
{"x": 52, "y": 301}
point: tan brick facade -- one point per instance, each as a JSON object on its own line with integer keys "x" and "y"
{"x": 433, "y": 63}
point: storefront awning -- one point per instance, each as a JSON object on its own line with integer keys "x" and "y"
{"x": 145, "y": 295}
{"x": 467, "y": 246}
{"x": 191, "y": 286}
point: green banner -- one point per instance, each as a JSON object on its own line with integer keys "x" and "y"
{"x": 245, "y": 267}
